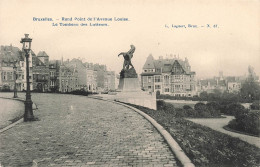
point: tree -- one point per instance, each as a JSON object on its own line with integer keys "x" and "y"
{"x": 250, "y": 89}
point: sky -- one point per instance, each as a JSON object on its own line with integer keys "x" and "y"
{"x": 231, "y": 46}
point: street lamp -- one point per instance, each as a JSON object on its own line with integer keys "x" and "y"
{"x": 15, "y": 77}
{"x": 28, "y": 114}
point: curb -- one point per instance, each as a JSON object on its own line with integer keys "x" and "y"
{"x": 176, "y": 149}
{"x": 18, "y": 121}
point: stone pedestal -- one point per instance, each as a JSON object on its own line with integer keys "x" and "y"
{"x": 130, "y": 90}
{"x": 128, "y": 84}
{"x": 140, "y": 98}
{"x": 128, "y": 81}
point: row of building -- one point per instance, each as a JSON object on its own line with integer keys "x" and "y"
{"x": 52, "y": 75}
{"x": 173, "y": 76}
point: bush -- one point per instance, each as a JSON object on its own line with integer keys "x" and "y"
{"x": 233, "y": 108}
{"x": 199, "y": 106}
{"x": 186, "y": 107}
{"x": 180, "y": 112}
{"x": 201, "y": 110}
{"x": 207, "y": 110}
{"x": 160, "y": 104}
{"x": 246, "y": 121}
{"x": 79, "y": 92}
{"x": 5, "y": 88}
{"x": 214, "y": 109}
{"x": 213, "y": 105}
{"x": 204, "y": 146}
{"x": 255, "y": 105}
{"x": 191, "y": 113}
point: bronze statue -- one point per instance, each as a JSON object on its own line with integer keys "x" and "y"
{"x": 128, "y": 56}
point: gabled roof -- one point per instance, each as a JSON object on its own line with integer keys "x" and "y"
{"x": 42, "y": 54}
{"x": 38, "y": 62}
{"x": 9, "y": 54}
{"x": 149, "y": 64}
{"x": 75, "y": 63}
{"x": 166, "y": 65}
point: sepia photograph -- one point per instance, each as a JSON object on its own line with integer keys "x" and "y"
{"x": 140, "y": 83}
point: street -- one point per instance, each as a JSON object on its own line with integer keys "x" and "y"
{"x": 80, "y": 131}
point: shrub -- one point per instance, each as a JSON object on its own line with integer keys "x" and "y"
{"x": 246, "y": 121}
{"x": 204, "y": 146}
{"x": 180, "y": 112}
{"x": 5, "y": 88}
{"x": 233, "y": 108}
{"x": 213, "y": 105}
{"x": 186, "y": 107}
{"x": 199, "y": 106}
{"x": 79, "y": 92}
{"x": 210, "y": 109}
{"x": 255, "y": 105}
{"x": 214, "y": 108}
{"x": 160, "y": 104}
{"x": 170, "y": 109}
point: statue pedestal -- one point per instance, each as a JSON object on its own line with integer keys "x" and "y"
{"x": 140, "y": 98}
{"x": 129, "y": 85}
{"x": 130, "y": 90}
{"x": 128, "y": 80}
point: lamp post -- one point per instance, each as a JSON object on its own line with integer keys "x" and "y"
{"x": 15, "y": 77}
{"x": 28, "y": 114}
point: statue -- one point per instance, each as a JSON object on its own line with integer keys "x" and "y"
{"x": 127, "y": 57}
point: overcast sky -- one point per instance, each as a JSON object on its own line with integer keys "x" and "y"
{"x": 230, "y": 47}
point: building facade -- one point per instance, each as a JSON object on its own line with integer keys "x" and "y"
{"x": 54, "y": 68}
{"x": 68, "y": 79}
{"x": 109, "y": 83}
{"x": 41, "y": 72}
{"x": 171, "y": 76}
{"x": 10, "y": 55}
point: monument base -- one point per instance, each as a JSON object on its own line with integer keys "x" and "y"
{"x": 140, "y": 98}
{"x": 129, "y": 85}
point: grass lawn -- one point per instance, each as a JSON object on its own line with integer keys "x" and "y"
{"x": 204, "y": 146}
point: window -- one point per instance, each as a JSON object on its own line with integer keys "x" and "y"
{"x": 52, "y": 73}
{"x": 11, "y": 75}
{"x": 149, "y": 79}
{"x": 166, "y": 90}
{"x": 157, "y": 78}
{"x": 5, "y": 78}
{"x": 157, "y": 86}
{"x": 166, "y": 79}
{"x": 149, "y": 87}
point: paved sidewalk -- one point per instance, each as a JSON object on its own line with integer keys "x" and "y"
{"x": 218, "y": 124}
{"x": 78, "y": 131}
{"x": 9, "y": 109}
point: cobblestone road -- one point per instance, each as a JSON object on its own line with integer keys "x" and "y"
{"x": 79, "y": 131}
